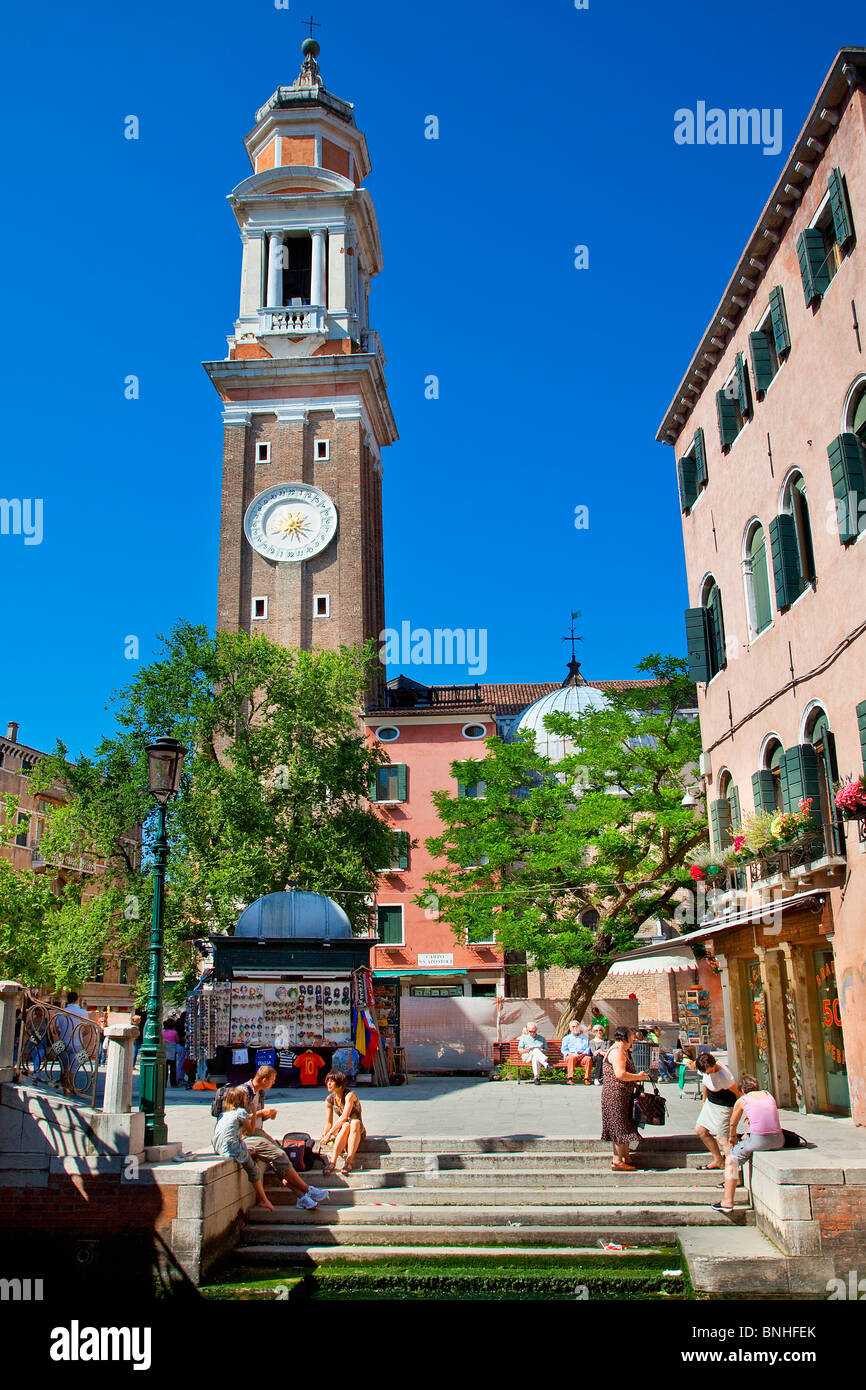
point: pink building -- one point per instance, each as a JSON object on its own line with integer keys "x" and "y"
{"x": 768, "y": 426}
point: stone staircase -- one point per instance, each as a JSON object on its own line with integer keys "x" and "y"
{"x": 485, "y": 1196}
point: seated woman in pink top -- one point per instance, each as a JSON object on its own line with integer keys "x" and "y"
{"x": 765, "y": 1132}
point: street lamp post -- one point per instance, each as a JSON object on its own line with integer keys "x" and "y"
{"x": 165, "y": 763}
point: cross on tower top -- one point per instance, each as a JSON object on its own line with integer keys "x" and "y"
{"x": 314, "y": 24}
{"x": 574, "y": 677}
{"x": 571, "y": 636}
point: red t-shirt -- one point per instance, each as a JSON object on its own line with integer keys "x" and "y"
{"x": 309, "y": 1064}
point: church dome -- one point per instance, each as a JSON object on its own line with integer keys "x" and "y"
{"x": 574, "y": 697}
{"x": 277, "y": 916}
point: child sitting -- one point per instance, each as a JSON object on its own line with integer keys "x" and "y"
{"x": 227, "y": 1142}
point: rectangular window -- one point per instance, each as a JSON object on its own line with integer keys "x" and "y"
{"x": 263, "y": 453}
{"x": 21, "y": 837}
{"x": 481, "y": 936}
{"x": 822, "y": 247}
{"x": 471, "y": 789}
{"x": 323, "y": 450}
{"x": 848, "y": 475}
{"x": 390, "y": 783}
{"x": 322, "y": 605}
{"x": 762, "y": 350}
{"x": 297, "y": 269}
{"x": 400, "y": 855}
{"x": 390, "y": 925}
{"x": 734, "y": 403}
{"x": 260, "y": 608}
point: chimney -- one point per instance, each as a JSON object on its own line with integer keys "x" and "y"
{"x": 12, "y": 732}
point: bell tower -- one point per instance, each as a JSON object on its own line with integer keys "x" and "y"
{"x": 305, "y": 404}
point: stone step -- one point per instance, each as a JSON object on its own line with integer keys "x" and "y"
{"x": 446, "y": 1195}
{"x": 742, "y": 1260}
{"x": 521, "y": 1180}
{"x": 545, "y": 1226}
{"x": 303, "y": 1256}
{"x": 522, "y": 1144}
{"x": 563, "y": 1161}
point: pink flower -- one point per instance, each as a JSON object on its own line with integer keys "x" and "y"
{"x": 697, "y": 872}
{"x": 739, "y": 842}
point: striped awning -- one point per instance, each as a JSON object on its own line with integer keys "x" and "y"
{"x": 654, "y": 965}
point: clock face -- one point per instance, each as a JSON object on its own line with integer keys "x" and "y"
{"x": 290, "y": 522}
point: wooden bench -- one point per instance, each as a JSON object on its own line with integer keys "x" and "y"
{"x": 553, "y": 1052}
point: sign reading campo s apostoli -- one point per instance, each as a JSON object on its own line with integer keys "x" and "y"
{"x": 290, "y": 522}
{"x": 436, "y": 958}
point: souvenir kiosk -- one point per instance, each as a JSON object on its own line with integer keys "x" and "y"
{"x": 282, "y": 990}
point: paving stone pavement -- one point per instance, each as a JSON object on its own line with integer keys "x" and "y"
{"x": 469, "y": 1106}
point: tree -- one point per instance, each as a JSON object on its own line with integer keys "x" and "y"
{"x": 549, "y": 846}
{"x": 273, "y": 789}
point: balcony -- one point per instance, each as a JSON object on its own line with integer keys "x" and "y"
{"x": 371, "y": 342}
{"x": 292, "y": 319}
{"x": 65, "y": 861}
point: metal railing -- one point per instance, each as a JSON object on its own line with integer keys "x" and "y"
{"x": 59, "y": 1049}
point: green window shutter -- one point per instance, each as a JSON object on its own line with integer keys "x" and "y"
{"x": 761, "y": 586}
{"x": 779, "y": 318}
{"x": 762, "y": 361}
{"x": 800, "y": 777}
{"x": 718, "y": 659}
{"x": 688, "y": 476}
{"x": 390, "y": 926}
{"x": 374, "y": 787}
{"x": 842, "y": 225}
{"x": 734, "y": 803}
{"x": 849, "y": 482}
{"x": 762, "y": 790}
{"x": 402, "y": 857}
{"x": 786, "y": 559}
{"x": 744, "y": 394}
{"x": 461, "y": 789}
{"x": 720, "y": 819}
{"x": 861, "y": 725}
{"x": 814, "y": 271}
{"x": 701, "y": 458}
{"x": 697, "y": 644}
{"x": 727, "y": 413}
{"x": 401, "y": 781}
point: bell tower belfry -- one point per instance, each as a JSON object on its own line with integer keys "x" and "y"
{"x": 305, "y": 404}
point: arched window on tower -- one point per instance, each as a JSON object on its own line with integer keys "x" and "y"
{"x": 297, "y": 269}
{"x": 757, "y": 579}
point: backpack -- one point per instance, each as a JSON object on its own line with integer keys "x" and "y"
{"x": 300, "y": 1151}
{"x": 219, "y": 1100}
{"x": 792, "y": 1139}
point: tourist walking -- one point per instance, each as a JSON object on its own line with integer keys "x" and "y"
{"x": 170, "y": 1041}
{"x": 576, "y": 1051}
{"x": 764, "y": 1133}
{"x": 617, "y": 1095}
{"x": 532, "y": 1050}
{"x": 344, "y": 1122}
{"x": 720, "y": 1092}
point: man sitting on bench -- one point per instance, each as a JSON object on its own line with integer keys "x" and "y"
{"x": 576, "y": 1051}
{"x": 532, "y": 1049}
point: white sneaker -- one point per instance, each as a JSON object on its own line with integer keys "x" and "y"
{"x": 307, "y": 1203}
{"x": 318, "y": 1194}
{"x": 596, "y": 1083}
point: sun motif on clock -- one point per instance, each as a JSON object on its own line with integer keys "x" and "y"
{"x": 292, "y": 525}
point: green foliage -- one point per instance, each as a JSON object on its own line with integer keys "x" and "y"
{"x": 273, "y": 791}
{"x": 601, "y": 830}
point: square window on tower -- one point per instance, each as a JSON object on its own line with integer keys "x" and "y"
{"x": 263, "y": 453}
{"x": 323, "y": 450}
{"x": 297, "y": 269}
{"x": 260, "y": 608}
{"x": 322, "y": 605}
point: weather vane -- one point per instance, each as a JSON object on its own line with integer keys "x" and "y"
{"x": 314, "y": 24}
{"x": 571, "y": 637}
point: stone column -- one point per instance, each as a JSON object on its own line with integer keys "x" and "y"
{"x": 339, "y": 271}
{"x": 11, "y": 996}
{"x": 118, "y": 1070}
{"x": 275, "y": 271}
{"x": 774, "y": 1005}
{"x": 734, "y": 1039}
{"x": 797, "y": 969}
{"x": 251, "y": 276}
{"x": 317, "y": 283}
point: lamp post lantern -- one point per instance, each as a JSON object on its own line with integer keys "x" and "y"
{"x": 165, "y": 763}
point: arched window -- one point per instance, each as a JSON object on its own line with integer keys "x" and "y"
{"x": 725, "y": 817}
{"x": 795, "y": 505}
{"x": 757, "y": 577}
{"x": 855, "y": 411}
{"x": 767, "y": 781}
{"x": 712, "y": 602}
{"x": 590, "y": 919}
{"x": 818, "y": 734}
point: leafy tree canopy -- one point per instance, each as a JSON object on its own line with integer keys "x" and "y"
{"x": 602, "y": 832}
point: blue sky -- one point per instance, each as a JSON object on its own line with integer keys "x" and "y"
{"x": 556, "y": 130}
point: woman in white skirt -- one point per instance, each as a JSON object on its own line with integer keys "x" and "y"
{"x": 720, "y": 1092}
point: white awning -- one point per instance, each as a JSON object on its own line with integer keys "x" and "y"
{"x": 654, "y": 965}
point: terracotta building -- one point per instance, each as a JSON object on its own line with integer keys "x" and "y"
{"x": 114, "y": 987}
{"x": 768, "y": 427}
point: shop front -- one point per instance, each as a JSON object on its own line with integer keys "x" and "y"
{"x": 283, "y": 990}
{"x": 782, "y": 1003}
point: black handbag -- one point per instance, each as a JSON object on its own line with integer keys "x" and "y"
{"x": 648, "y": 1108}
